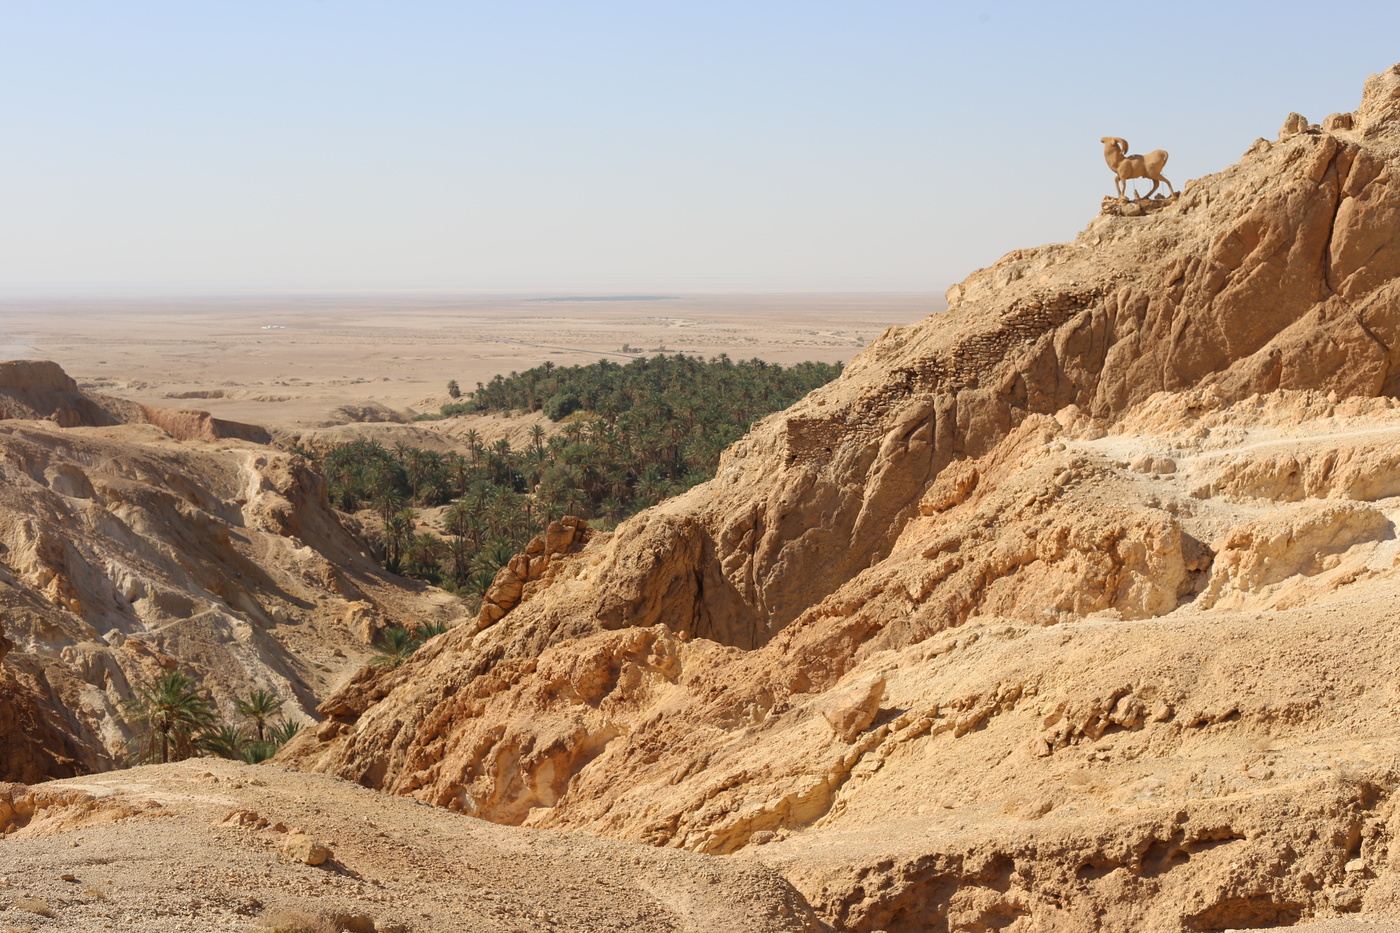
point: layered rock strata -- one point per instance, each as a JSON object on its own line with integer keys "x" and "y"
{"x": 128, "y": 547}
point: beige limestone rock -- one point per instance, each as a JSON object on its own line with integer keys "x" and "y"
{"x": 512, "y": 582}
{"x": 1337, "y": 121}
{"x": 125, "y": 550}
{"x": 849, "y": 710}
{"x": 1303, "y": 541}
{"x": 1293, "y": 124}
{"x": 305, "y": 849}
{"x": 41, "y": 390}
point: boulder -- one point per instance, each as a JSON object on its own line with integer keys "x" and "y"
{"x": 305, "y": 849}
{"x": 851, "y": 709}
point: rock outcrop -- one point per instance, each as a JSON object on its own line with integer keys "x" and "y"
{"x": 128, "y": 547}
{"x": 38, "y": 390}
{"x": 32, "y": 746}
{"x": 525, "y": 572}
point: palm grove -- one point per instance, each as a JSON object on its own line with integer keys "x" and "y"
{"x": 633, "y": 434}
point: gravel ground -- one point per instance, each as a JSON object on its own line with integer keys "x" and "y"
{"x": 214, "y": 845}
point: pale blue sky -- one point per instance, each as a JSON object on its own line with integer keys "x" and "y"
{"x": 330, "y": 145}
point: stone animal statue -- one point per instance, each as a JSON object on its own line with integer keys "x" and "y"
{"x": 1125, "y": 167}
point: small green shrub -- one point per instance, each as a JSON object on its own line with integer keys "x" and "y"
{"x": 561, "y": 406}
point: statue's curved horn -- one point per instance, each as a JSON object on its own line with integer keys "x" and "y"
{"x": 1122, "y": 144}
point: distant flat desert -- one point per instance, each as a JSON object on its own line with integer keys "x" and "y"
{"x": 289, "y": 362}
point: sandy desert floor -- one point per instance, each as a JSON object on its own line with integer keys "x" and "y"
{"x": 288, "y": 361}
{"x": 211, "y": 845}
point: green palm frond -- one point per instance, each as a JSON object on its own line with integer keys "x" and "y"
{"x": 282, "y": 732}
{"x": 259, "y": 707}
{"x": 169, "y": 713}
{"x": 225, "y": 741}
{"x": 396, "y": 645}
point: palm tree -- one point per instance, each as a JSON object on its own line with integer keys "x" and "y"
{"x": 398, "y": 531}
{"x": 259, "y": 707}
{"x": 457, "y": 562}
{"x": 456, "y": 517}
{"x": 501, "y": 515}
{"x": 576, "y": 502}
{"x": 537, "y": 435}
{"x": 460, "y": 471}
{"x": 282, "y": 731}
{"x": 476, "y": 530}
{"x": 434, "y": 489}
{"x": 170, "y": 712}
{"x": 492, "y": 556}
{"x": 479, "y": 582}
{"x": 416, "y": 465}
{"x": 612, "y": 509}
{"x": 649, "y": 492}
{"x": 431, "y": 630}
{"x": 397, "y": 645}
{"x": 381, "y": 477}
{"x": 537, "y": 459}
{"x": 388, "y": 503}
{"x": 479, "y": 495}
{"x": 423, "y": 552}
{"x": 225, "y": 741}
{"x": 254, "y": 752}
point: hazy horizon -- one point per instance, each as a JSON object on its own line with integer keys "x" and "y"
{"x": 305, "y": 147}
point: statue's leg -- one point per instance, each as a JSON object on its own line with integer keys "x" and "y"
{"x": 1155, "y": 183}
{"x": 1169, "y": 185}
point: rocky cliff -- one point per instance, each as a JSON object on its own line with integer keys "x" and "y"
{"x": 1066, "y": 609}
{"x": 41, "y": 390}
{"x": 134, "y": 539}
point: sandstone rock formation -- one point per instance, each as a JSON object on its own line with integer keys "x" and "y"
{"x": 128, "y": 546}
{"x": 41, "y": 390}
{"x": 1116, "y": 537}
{"x": 373, "y": 412}
{"x": 513, "y": 582}
{"x": 32, "y": 745}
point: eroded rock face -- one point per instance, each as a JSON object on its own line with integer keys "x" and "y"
{"x": 30, "y": 745}
{"x": 513, "y": 582}
{"x": 125, "y": 551}
{"x": 1072, "y": 527}
{"x": 39, "y": 390}
{"x": 1278, "y": 273}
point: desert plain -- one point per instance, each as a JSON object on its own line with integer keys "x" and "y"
{"x": 293, "y": 360}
